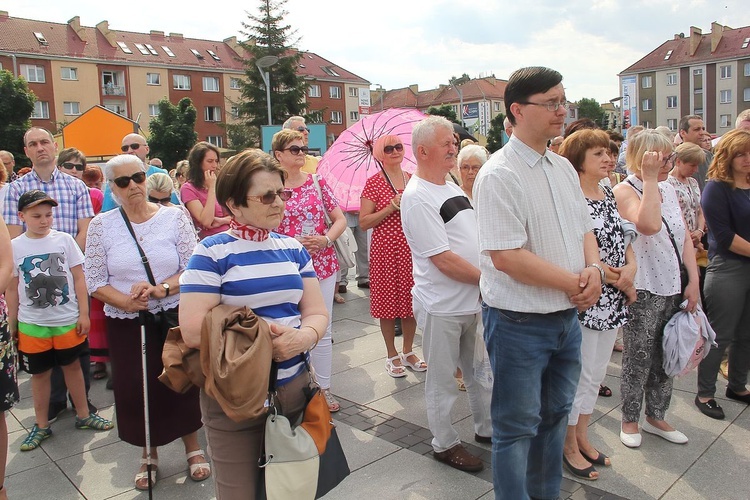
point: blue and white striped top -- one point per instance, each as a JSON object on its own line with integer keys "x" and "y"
{"x": 265, "y": 276}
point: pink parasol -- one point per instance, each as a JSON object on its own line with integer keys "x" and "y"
{"x": 348, "y": 163}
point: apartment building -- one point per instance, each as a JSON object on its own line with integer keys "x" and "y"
{"x": 71, "y": 68}
{"x": 702, "y": 74}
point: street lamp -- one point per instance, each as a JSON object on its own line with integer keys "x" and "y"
{"x": 381, "y": 91}
{"x": 263, "y": 63}
{"x": 454, "y": 82}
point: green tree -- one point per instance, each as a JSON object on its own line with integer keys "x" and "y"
{"x": 495, "y": 134}
{"x": 16, "y": 106}
{"x": 590, "y": 108}
{"x": 173, "y": 131}
{"x": 445, "y": 110}
{"x": 241, "y": 136}
{"x": 268, "y": 36}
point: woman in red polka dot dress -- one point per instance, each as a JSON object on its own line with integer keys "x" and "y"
{"x": 391, "y": 276}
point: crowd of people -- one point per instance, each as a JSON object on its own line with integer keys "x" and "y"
{"x": 541, "y": 256}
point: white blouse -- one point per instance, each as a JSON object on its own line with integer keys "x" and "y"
{"x": 112, "y": 257}
{"x": 658, "y": 267}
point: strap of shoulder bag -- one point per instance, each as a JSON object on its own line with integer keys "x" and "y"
{"x": 144, "y": 259}
{"x": 316, "y": 181}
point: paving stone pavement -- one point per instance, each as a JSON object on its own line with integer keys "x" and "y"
{"x": 383, "y": 428}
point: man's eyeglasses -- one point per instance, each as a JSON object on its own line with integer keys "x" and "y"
{"x": 124, "y": 181}
{"x": 269, "y": 198}
{"x": 551, "y": 106}
{"x": 70, "y": 166}
{"x": 135, "y": 147}
{"x": 153, "y": 199}
{"x": 303, "y": 129}
{"x": 295, "y": 150}
{"x": 390, "y": 149}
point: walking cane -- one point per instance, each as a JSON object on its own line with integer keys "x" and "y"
{"x": 147, "y": 425}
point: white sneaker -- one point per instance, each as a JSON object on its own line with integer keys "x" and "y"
{"x": 630, "y": 440}
{"x": 672, "y": 436}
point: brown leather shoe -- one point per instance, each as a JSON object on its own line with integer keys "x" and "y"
{"x": 458, "y": 458}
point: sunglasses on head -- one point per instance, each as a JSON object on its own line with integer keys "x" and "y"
{"x": 70, "y": 166}
{"x": 135, "y": 147}
{"x": 295, "y": 150}
{"x": 390, "y": 149}
{"x": 269, "y": 198}
{"x": 153, "y": 199}
{"x": 303, "y": 129}
{"x": 124, "y": 181}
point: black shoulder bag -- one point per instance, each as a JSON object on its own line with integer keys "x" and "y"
{"x": 166, "y": 318}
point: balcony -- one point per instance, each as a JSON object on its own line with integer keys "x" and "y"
{"x": 110, "y": 89}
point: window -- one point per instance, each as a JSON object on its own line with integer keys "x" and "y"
{"x": 336, "y": 117}
{"x": 496, "y": 105}
{"x": 698, "y": 111}
{"x": 646, "y": 105}
{"x": 726, "y": 71}
{"x": 726, "y": 121}
{"x": 210, "y": 84}
{"x": 41, "y": 111}
{"x": 669, "y": 54}
{"x": 216, "y": 140}
{"x": 168, "y": 51}
{"x": 40, "y": 38}
{"x": 353, "y": 116}
{"x": 142, "y": 49}
{"x": 672, "y": 124}
{"x": 33, "y": 73}
{"x": 69, "y": 73}
{"x": 646, "y": 124}
{"x": 213, "y": 114}
{"x": 353, "y": 92}
{"x": 71, "y": 108}
{"x": 334, "y": 92}
{"x": 151, "y": 49}
{"x": 125, "y": 47}
{"x": 746, "y": 95}
{"x": 646, "y": 82}
{"x": 153, "y": 110}
{"x": 153, "y": 78}
{"x": 671, "y": 101}
{"x": 116, "y": 108}
{"x": 196, "y": 53}
{"x": 181, "y": 82}
{"x": 235, "y": 83}
{"x": 213, "y": 55}
{"x": 315, "y": 116}
{"x": 725, "y": 96}
{"x": 234, "y": 111}
{"x": 698, "y": 71}
{"x": 313, "y": 91}
{"x": 328, "y": 70}
{"x": 698, "y": 91}
{"x": 671, "y": 78}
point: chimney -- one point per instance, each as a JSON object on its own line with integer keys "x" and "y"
{"x": 75, "y": 24}
{"x": 716, "y": 31}
{"x": 156, "y": 34}
{"x": 176, "y": 36}
{"x": 695, "y": 39}
{"x": 103, "y": 28}
{"x": 414, "y": 88}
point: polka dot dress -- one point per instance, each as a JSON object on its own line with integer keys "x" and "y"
{"x": 391, "y": 278}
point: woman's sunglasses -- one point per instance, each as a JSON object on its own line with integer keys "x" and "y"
{"x": 269, "y": 198}
{"x": 390, "y": 149}
{"x": 70, "y": 166}
{"x": 124, "y": 181}
{"x": 295, "y": 150}
{"x": 159, "y": 200}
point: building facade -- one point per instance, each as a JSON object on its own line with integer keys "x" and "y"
{"x": 700, "y": 74}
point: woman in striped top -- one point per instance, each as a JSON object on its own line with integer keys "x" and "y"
{"x": 249, "y": 265}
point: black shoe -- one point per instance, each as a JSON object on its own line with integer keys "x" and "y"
{"x": 710, "y": 408}
{"x": 342, "y": 288}
{"x": 743, "y": 398}
{"x": 55, "y": 409}
{"x": 364, "y": 284}
{"x": 110, "y": 386}
{"x": 397, "y": 328}
{"x": 483, "y": 439}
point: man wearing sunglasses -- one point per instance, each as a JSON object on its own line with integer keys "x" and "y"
{"x": 72, "y": 216}
{"x": 298, "y": 123}
{"x": 135, "y": 144}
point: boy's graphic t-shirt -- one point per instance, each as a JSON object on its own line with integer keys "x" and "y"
{"x": 46, "y": 292}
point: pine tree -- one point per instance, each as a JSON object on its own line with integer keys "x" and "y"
{"x": 268, "y": 36}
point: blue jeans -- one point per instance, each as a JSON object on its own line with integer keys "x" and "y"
{"x": 536, "y": 361}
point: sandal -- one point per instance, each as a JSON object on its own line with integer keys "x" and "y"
{"x": 419, "y": 366}
{"x": 35, "y": 438}
{"x": 100, "y": 371}
{"x": 395, "y": 371}
{"x": 142, "y": 485}
{"x": 196, "y": 467}
{"x": 605, "y": 391}
{"x": 460, "y": 384}
{"x": 94, "y": 422}
{"x": 333, "y": 405}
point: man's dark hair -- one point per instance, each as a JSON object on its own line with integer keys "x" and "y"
{"x": 615, "y": 136}
{"x": 525, "y": 82}
{"x": 581, "y": 124}
{"x": 685, "y": 121}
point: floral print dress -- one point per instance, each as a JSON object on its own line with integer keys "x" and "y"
{"x": 8, "y": 382}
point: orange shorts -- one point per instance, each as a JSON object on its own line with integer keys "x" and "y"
{"x": 40, "y": 348}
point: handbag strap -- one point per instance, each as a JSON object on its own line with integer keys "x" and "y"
{"x": 671, "y": 238}
{"x": 144, "y": 259}
{"x": 316, "y": 181}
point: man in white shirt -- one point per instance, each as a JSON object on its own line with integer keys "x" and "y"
{"x": 440, "y": 227}
{"x": 539, "y": 262}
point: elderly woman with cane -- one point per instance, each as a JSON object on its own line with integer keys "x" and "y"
{"x": 130, "y": 285}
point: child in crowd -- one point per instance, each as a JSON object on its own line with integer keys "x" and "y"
{"x": 44, "y": 314}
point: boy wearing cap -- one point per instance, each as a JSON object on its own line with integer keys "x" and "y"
{"x": 45, "y": 315}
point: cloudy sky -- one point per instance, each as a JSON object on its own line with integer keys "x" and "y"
{"x": 396, "y": 43}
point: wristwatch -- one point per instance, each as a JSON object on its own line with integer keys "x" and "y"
{"x": 165, "y": 286}
{"x": 329, "y": 242}
{"x": 601, "y": 270}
